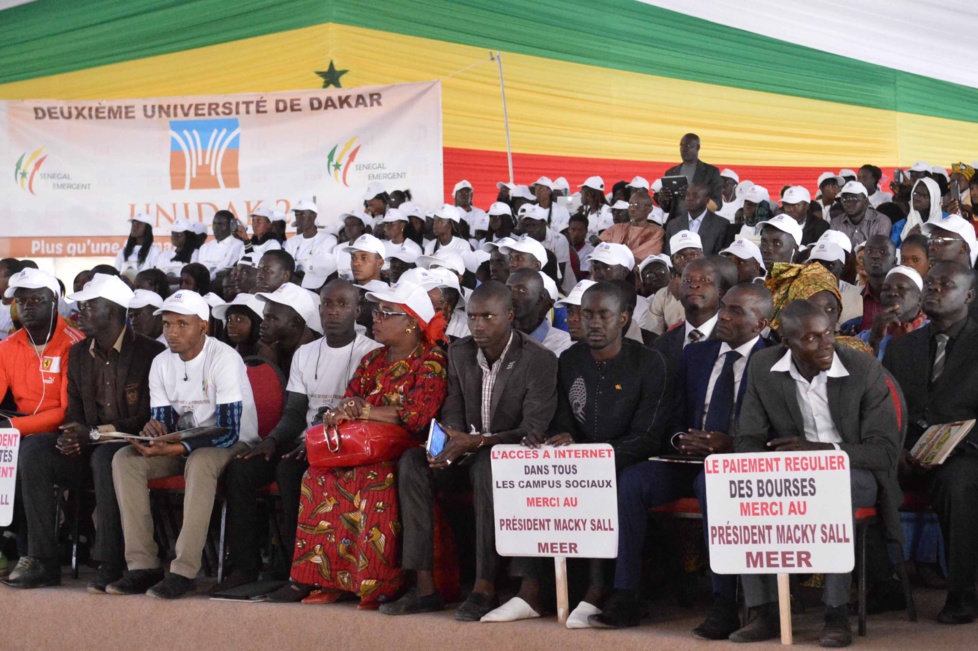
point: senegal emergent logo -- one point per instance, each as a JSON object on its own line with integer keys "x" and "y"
{"x": 24, "y": 172}
{"x": 335, "y": 163}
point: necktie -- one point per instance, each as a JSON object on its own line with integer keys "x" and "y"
{"x": 722, "y": 400}
{"x": 694, "y": 336}
{"x": 942, "y": 340}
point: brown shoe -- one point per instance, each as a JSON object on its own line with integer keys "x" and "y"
{"x": 837, "y": 633}
{"x": 765, "y": 626}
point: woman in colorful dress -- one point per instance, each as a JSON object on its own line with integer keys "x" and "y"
{"x": 348, "y": 534}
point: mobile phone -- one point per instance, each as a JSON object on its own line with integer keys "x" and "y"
{"x": 956, "y": 192}
{"x": 898, "y": 176}
{"x": 437, "y": 438}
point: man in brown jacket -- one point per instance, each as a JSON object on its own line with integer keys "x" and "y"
{"x": 107, "y": 388}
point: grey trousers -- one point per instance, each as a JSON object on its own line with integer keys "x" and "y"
{"x": 760, "y": 589}
{"x": 201, "y": 469}
{"x": 41, "y": 467}
{"x": 416, "y": 487}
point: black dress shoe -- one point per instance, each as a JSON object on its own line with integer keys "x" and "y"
{"x": 959, "y": 608}
{"x": 413, "y": 604}
{"x": 236, "y": 579}
{"x": 290, "y": 593}
{"x": 107, "y": 573}
{"x": 37, "y": 574}
{"x": 173, "y": 587}
{"x": 136, "y": 582}
{"x": 720, "y": 623}
{"x": 765, "y": 626}
{"x": 836, "y": 633}
{"x": 475, "y": 606}
{"x": 623, "y": 610}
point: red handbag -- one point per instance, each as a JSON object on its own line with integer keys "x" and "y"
{"x": 356, "y": 443}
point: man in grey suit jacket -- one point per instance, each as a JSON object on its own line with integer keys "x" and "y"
{"x": 711, "y": 228}
{"x": 788, "y": 396}
{"x": 520, "y": 378}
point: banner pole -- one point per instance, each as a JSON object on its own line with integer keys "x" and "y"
{"x": 784, "y": 605}
{"x": 563, "y": 601}
{"x": 502, "y": 88}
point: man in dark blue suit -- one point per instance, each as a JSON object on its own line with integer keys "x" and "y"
{"x": 708, "y": 395}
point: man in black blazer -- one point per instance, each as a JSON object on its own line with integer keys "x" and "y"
{"x": 520, "y": 378}
{"x": 696, "y": 171}
{"x": 818, "y": 396}
{"x": 704, "y": 282}
{"x": 941, "y": 386}
{"x": 711, "y": 227}
{"x": 709, "y": 391}
{"x": 108, "y": 376}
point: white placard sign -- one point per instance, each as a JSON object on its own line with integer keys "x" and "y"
{"x": 9, "y": 446}
{"x": 780, "y": 513}
{"x": 555, "y": 501}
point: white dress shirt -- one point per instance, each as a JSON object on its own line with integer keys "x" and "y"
{"x": 706, "y": 330}
{"x": 738, "y": 369}
{"x": 813, "y": 399}
{"x": 696, "y": 222}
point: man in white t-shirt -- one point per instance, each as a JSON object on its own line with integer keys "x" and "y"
{"x": 198, "y": 382}
{"x": 445, "y": 229}
{"x": 308, "y": 242}
{"x": 320, "y": 373}
{"x": 462, "y": 194}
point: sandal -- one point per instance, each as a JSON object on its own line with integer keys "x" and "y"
{"x": 323, "y": 597}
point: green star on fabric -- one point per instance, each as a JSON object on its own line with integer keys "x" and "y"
{"x": 331, "y": 76}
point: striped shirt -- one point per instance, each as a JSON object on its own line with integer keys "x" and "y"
{"x": 489, "y": 374}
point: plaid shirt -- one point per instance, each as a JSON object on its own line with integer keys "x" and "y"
{"x": 489, "y": 381}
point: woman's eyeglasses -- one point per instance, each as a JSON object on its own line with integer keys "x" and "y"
{"x": 381, "y": 315}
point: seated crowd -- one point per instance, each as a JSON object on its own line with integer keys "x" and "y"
{"x": 707, "y": 321}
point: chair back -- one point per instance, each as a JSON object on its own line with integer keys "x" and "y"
{"x": 268, "y": 388}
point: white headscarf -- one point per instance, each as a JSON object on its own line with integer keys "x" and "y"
{"x": 914, "y": 218}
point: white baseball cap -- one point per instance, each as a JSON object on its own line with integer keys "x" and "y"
{"x": 445, "y": 278}
{"x": 909, "y": 272}
{"x": 199, "y": 227}
{"x": 475, "y": 259}
{"x": 503, "y": 242}
{"x": 373, "y": 286}
{"x": 374, "y": 189}
{"x": 318, "y": 269}
{"x": 846, "y": 172}
{"x": 502, "y": 184}
{"x": 305, "y": 204}
{"x": 593, "y": 182}
{"x": 184, "y": 301}
{"x": 448, "y": 211}
{"x": 143, "y": 297}
{"x": 249, "y": 301}
{"x": 655, "y": 257}
{"x": 500, "y": 208}
{"x": 411, "y": 210}
{"x": 181, "y": 225}
{"x": 785, "y": 224}
{"x": 613, "y": 254}
{"x": 549, "y": 285}
{"x": 574, "y": 298}
{"x": 953, "y": 224}
{"x": 394, "y": 215}
{"x": 443, "y": 258}
{"x": 301, "y": 300}
{"x": 937, "y": 169}
{"x": 279, "y": 216}
{"x": 757, "y": 194}
{"x": 479, "y": 221}
{"x": 31, "y": 278}
{"x": 827, "y": 251}
{"x": 744, "y": 249}
{"x": 684, "y": 240}
{"x": 364, "y": 218}
{"x": 830, "y": 176}
{"x": 412, "y": 296}
{"x": 142, "y": 217}
{"x": 419, "y": 276}
{"x": 521, "y": 192}
{"x": 527, "y": 244}
{"x": 730, "y": 174}
{"x": 212, "y": 299}
{"x": 368, "y": 243}
{"x": 533, "y": 211}
{"x": 248, "y": 260}
{"x": 544, "y": 181}
{"x": 461, "y": 185}
{"x": 656, "y": 185}
{"x": 560, "y": 183}
{"x": 621, "y": 204}
{"x": 743, "y": 188}
{"x": 838, "y": 238}
{"x": 106, "y": 286}
{"x": 263, "y": 211}
{"x": 796, "y": 194}
{"x": 921, "y": 166}
{"x": 854, "y": 187}
{"x": 639, "y": 182}
{"x": 404, "y": 254}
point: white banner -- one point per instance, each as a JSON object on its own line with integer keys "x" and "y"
{"x": 555, "y": 501}
{"x": 780, "y": 513}
{"x": 9, "y": 447}
{"x": 77, "y": 170}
